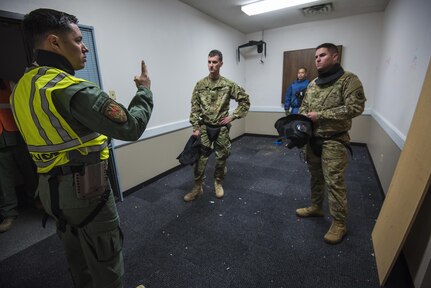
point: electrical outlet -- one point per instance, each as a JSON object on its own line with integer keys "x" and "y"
{"x": 112, "y": 94}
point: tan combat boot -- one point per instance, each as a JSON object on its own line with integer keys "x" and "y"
{"x": 196, "y": 192}
{"x": 218, "y": 189}
{"x": 336, "y": 232}
{"x": 6, "y": 224}
{"x": 311, "y": 211}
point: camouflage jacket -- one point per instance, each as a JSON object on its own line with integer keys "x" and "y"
{"x": 211, "y": 101}
{"x": 336, "y": 104}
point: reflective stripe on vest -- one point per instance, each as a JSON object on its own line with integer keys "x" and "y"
{"x": 6, "y": 118}
{"x": 48, "y": 135}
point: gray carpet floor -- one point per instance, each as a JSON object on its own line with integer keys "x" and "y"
{"x": 250, "y": 238}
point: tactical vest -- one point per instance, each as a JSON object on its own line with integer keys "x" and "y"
{"x": 50, "y": 140}
{"x": 6, "y": 118}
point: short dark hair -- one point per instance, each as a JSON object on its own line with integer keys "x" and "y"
{"x": 331, "y": 48}
{"x": 41, "y": 22}
{"x": 216, "y": 53}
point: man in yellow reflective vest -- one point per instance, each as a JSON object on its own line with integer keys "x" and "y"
{"x": 65, "y": 122}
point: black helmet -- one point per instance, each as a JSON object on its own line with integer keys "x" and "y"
{"x": 297, "y": 129}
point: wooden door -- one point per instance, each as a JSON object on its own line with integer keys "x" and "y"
{"x": 410, "y": 183}
{"x": 293, "y": 60}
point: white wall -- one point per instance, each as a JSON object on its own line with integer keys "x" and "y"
{"x": 359, "y": 35}
{"x": 388, "y": 51}
{"x": 406, "y": 53}
{"x": 172, "y": 38}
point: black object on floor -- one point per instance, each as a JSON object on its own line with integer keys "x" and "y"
{"x": 250, "y": 238}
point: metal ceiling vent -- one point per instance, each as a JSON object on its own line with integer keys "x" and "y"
{"x": 317, "y": 9}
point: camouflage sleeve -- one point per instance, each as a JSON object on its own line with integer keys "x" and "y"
{"x": 304, "y": 108}
{"x": 240, "y": 96}
{"x": 196, "y": 110}
{"x": 354, "y": 101}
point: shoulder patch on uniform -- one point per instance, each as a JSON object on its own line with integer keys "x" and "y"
{"x": 114, "y": 112}
{"x": 360, "y": 95}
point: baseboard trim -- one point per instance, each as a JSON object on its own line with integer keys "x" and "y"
{"x": 173, "y": 169}
{"x": 393, "y": 133}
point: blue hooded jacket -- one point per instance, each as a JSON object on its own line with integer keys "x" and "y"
{"x": 290, "y": 99}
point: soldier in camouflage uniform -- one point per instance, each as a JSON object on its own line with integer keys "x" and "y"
{"x": 210, "y": 120}
{"x": 331, "y": 101}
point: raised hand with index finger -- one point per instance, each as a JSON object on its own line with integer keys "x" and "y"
{"x": 143, "y": 79}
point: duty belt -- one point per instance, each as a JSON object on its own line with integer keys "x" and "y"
{"x": 213, "y": 126}
{"x": 213, "y": 131}
{"x": 55, "y": 198}
{"x": 316, "y": 142}
{"x": 65, "y": 170}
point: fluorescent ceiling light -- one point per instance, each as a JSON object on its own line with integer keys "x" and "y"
{"x": 271, "y": 5}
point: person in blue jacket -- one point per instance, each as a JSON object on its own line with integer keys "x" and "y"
{"x": 295, "y": 93}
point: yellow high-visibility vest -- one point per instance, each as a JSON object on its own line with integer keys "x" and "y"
{"x": 49, "y": 137}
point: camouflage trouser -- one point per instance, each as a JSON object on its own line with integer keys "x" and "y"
{"x": 222, "y": 147}
{"x": 329, "y": 170}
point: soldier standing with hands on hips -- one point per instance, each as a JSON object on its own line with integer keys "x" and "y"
{"x": 210, "y": 120}
{"x": 65, "y": 122}
{"x": 331, "y": 101}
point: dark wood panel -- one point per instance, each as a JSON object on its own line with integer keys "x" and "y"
{"x": 293, "y": 60}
